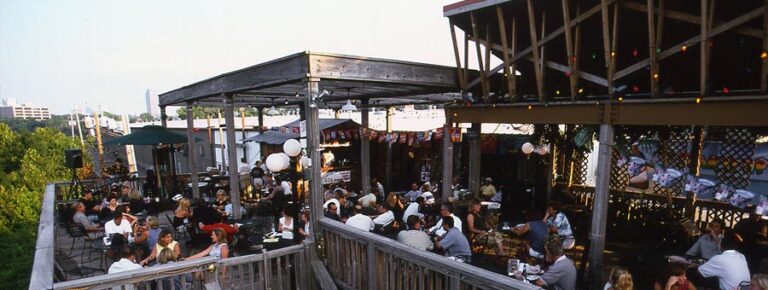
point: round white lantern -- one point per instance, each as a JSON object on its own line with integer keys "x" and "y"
{"x": 527, "y": 148}
{"x": 286, "y": 161}
{"x": 305, "y": 161}
{"x": 274, "y": 162}
{"x": 292, "y": 147}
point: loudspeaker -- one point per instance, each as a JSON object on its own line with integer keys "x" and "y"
{"x": 74, "y": 158}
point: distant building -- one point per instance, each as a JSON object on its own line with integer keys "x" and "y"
{"x": 11, "y": 110}
{"x": 151, "y": 100}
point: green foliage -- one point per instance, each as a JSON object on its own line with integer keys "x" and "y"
{"x": 115, "y": 117}
{"x": 59, "y": 122}
{"x": 200, "y": 112}
{"x": 28, "y": 161}
{"x": 147, "y": 117}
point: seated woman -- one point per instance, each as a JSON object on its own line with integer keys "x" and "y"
{"x": 536, "y": 231}
{"x": 182, "y": 213}
{"x": 674, "y": 279}
{"x": 167, "y": 256}
{"x": 218, "y": 248}
{"x": 165, "y": 241}
{"x": 108, "y": 210}
{"x": 287, "y": 225}
{"x": 480, "y": 231}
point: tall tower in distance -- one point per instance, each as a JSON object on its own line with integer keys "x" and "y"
{"x": 152, "y": 103}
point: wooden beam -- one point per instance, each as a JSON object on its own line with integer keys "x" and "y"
{"x": 535, "y": 51}
{"x": 712, "y": 111}
{"x": 662, "y": 12}
{"x": 764, "y": 67}
{"x": 583, "y": 75}
{"x": 523, "y": 53}
{"x": 476, "y": 38}
{"x": 703, "y": 70}
{"x": 505, "y": 55}
{"x": 234, "y": 176}
{"x": 487, "y": 64}
{"x": 689, "y": 18}
{"x": 607, "y": 46}
{"x": 573, "y": 77}
{"x": 459, "y": 71}
{"x": 543, "y": 54}
{"x": 654, "y": 72}
{"x": 693, "y": 41}
{"x": 192, "y": 150}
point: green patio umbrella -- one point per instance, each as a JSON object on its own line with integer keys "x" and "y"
{"x": 149, "y": 135}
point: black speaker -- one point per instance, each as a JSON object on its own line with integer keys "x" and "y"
{"x": 74, "y": 158}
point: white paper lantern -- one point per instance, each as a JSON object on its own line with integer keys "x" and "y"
{"x": 305, "y": 161}
{"x": 527, "y": 148}
{"x": 274, "y": 162}
{"x": 292, "y": 147}
{"x": 286, "y": 161}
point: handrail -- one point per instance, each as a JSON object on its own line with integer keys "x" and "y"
{"x": 42, "y": 269}
{"x": 267, "y": 255}
{"x": 466, "y": 273}
{"x": 138, "y": 275}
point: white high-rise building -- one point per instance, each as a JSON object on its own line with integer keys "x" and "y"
{"x": 10, "y": 110}
{"x": 152, "y": 103}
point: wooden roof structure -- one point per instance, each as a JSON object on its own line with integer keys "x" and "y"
{"x": 282, "y": 82}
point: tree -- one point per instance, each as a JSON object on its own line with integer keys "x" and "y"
{"x": 147, "y": 117}
{"x": 199, "y": 112}
{"x": 28, "y": 161}
{"x": 115, "y": 117}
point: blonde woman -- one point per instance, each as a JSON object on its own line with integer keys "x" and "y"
{"x": 218, "y": 248}
{"x": 620, "y": 279}
{"x": 182, "y": 213}
{"x": 759, "y": 282}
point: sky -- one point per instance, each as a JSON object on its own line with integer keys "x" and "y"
{"x": 62, "y": 54}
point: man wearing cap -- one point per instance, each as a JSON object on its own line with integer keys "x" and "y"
{"x": 487, "y": 190}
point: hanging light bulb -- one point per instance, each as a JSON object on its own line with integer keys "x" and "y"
{"x": 349, "y": 106}
{"x": 273, "y": 111}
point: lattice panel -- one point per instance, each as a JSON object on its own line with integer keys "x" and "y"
{"x": 736, "y": 149}
{"x": 579, "y": 161}
{"x": 674, "y": 152}
{"x": 619, "y": 175}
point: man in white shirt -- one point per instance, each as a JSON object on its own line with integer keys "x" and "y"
{"x": 413, "y": 209}
{"x": 446, "y": 211}
{"x": 411, "y": 195}
{"x": 385, "y": 216}
{"x": 117, "y": 225}
{"x": 127, "y": 263}
{"x": 359, "y": 220}
{"x": 369, "y": 200}
{"x": 730, "y": 267}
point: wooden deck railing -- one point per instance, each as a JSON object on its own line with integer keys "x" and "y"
{"x": 363, "y": 260}
{"x": 42, "y": 269}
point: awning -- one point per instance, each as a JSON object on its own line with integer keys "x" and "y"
{"x": 324, "y": 123}
{"x": 272, "y": 137}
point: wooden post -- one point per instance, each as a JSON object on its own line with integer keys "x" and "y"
{"x": 163, "y": 117}
{"x": 261, "y": 127}
{"x": 223, "y": 145}
{"x": 365, "y": 149}
{"x": 600, "y": 207}
{"x": 192, "y": 150}
{"x": 211, "y": 142}
{"x": 654, "y": 72}
{"x": 473, "y": 137}
{"x": 535, "y": 52}
{"x": 509, "y": 74}
{"x": 234, "y": 175}
{"x": 703, "y": 82}
{"x": 447, "y": 158}
{"x": 764, "y": 67}
{"x": 388, "y": 155}
{"x": 99, "y": 145}
{"x": 242, "y": 130}
{"x": 372, "y": 273}
{"x": 481, "y": 67}
{"x": 694, "y": 167}
{"x": 573, "y": 77}
{"x": 313, "y": 149}
{"x": 459, "y": 70}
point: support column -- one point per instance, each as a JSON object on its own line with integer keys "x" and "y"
{"x": 600, "y": 207}
{"x": 365, "y": 149}
{"x": 313, "y": 150}
{"x": 234, "y": 178}
{"x": 473, "y": 137}
{"x": 447, "y": 160}
{"x": 192, "y": 150}
{"x": 261, "y": 130}
{"x": 388, "y": 155}
{"x": 163, "y": 117}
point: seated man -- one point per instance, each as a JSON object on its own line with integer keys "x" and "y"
{"x": 562, "y": 273}
{"x": 231, "y": 230}
{"x": 331, "y": 212}
{"x": 446, "y": 211}
{"x": 369, "y": 200}
{"x": 454, "y": 243}
{"x": 413, "y": 209}
{"x": 385, "y": 217}
{"x": 359, "y": 220}
{"x": 412, "y": 194}
{"x": 92, "y": 207}
{"x": 91, "y": 229}
{"x": 730, "y": 267}
{"x": 708, "y": 245}
{"x": 415, "y": 237}
{"x": 118, "y": 226}
{"x": 127, "y": 262}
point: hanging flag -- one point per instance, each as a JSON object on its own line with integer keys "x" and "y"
{"x": 428, "y": 136}
{"x": 455, "y": 135}
{"x": 439, "y": 134}
{"x": 342, "y": 135}
{"x": 373, "y": 135}
{"x": 334, "y": 135}
{"x": 419, "y": 136}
